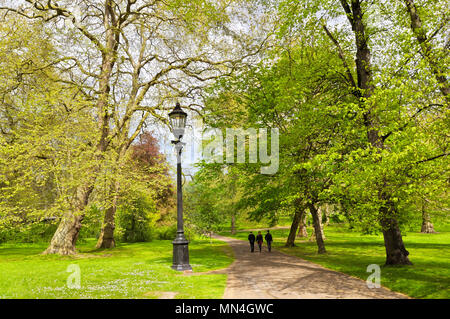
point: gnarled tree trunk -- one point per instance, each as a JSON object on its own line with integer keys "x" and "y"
{"x": 66, "y": 235}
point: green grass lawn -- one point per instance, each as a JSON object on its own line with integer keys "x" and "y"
{"x": 138, "y": 270}
{"x": 351, "y": 253}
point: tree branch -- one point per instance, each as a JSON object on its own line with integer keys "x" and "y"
{"x": 341, "y": 56}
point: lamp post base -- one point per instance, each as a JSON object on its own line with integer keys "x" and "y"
{"x": 181, "y": 255}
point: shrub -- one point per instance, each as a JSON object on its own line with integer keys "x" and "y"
{"x": 166, "y": 232}
{"x": 136, "y": 218}
{"x": 92, "y": 223}
{"x": 32, "y": 232}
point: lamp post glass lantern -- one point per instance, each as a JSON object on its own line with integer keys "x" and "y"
{"x": 180, "y": 244}
{"x": 178, "y": 121}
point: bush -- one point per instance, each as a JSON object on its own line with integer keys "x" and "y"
{"x": 33, "y": 232}
{"x": 337, "y": 218}
{"x": 136, "y": 219}
{"x": 166, "y": 232}
{"x": 92, "y": 223}
{"x": 170, "y": 232}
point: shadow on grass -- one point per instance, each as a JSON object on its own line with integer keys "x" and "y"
{"x": 21, "y": 250}
{"x": 422, "y": 279}
{"x": 355, "y": 244}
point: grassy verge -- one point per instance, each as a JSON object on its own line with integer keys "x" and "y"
{"x": 139, "y": 270}
{"x": 351, "y": 253}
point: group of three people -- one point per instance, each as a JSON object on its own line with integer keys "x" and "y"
{"x": 259, "y": 240}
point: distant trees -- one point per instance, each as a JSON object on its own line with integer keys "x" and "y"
{"x": 211, "y": 200}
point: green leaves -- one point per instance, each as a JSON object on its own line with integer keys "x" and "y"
{"x": 303, "y": 88}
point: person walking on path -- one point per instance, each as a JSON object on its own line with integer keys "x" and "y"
{"x": 259, "y": 240}
{"x": 251, "y": 239}
{"x": 269, "y": 240}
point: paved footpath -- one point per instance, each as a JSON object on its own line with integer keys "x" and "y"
{"x": 276, "y": 275}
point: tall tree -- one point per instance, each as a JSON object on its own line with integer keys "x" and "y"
{"x": 46, "y": 128}
{"x": 130, "y": 58}
{"x": 395, "y": 248}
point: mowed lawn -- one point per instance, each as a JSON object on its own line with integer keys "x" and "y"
{"x": 351, "y": 253}
{"x": 138, "y": 270}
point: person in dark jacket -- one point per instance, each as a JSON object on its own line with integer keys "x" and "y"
{"x": 259, "y": 240}
{"x": 269, "y": 240}
{"x": 251, "y": 239}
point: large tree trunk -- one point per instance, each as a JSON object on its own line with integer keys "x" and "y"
{"x": 294, "y": 226}
{"x": 66, "y": 235}
{"x": 427, "y": 226}
{"x": 396, "y": 253}
{"x": 318, "y": 231}
{"x": 302, "y": 231}
{"x": 106, "y": 239}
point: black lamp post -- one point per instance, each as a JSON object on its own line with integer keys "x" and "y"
{"x": 180, "y": 245}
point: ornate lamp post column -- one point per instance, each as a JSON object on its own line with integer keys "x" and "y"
{"x": 180, "y": 245}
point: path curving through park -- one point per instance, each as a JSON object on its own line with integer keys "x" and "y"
{"x": 276, "y": 275}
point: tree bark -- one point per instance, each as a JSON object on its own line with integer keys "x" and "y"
{"x": 320, "y": 216}
{"x": 233, "y": 224}
{"x": 106, "y": 239}
{"x": 396, "y": 253}
{"x": 427, "y": 226}
{"x": 326, "y": 217}
{"x": 66, "y": 235}
{"x": 302, "y": 231}
{"x": 290, "y": 242}
{"x": 318, "y": 231}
